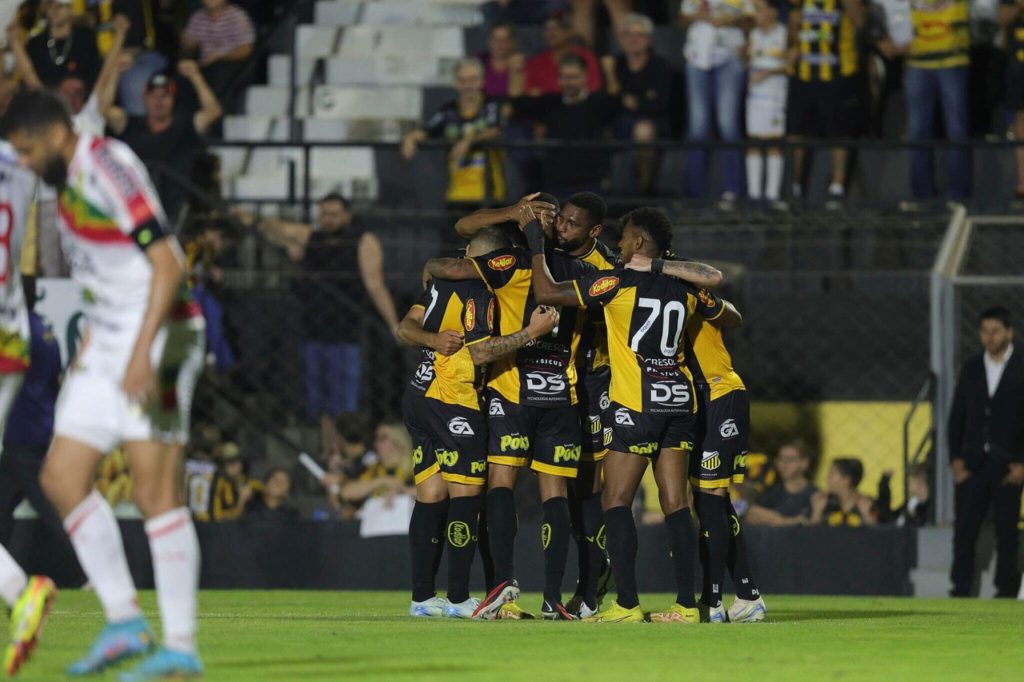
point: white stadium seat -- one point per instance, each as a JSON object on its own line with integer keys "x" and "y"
{"x": 383, "y": 71}
{"x": 401, "y": 41}
{"x": 267, "y": 100}
{"x": 341, "y": 102}
{"x": 316, "y": 41}
{"x": 337, "y": 12}
{"x": 279, "y": 70}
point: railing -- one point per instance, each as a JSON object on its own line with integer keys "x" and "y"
{"x": 925, "y": 445}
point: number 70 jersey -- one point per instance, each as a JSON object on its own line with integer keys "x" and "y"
{"x": 645, "y": 315}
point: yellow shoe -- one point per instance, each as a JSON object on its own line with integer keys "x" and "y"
{"x": 27, "y": 619}
{"x": 617, "y": 614}
{"x": 513, "y": 611}
{"x": 676, "y": 614}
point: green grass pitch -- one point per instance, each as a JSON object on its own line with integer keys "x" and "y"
{"x": 269, "y": 635}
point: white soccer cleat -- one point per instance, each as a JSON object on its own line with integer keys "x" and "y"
{"x": 463, "y": 610}
{"x": 717, "y": 614}
{"x": 429, "y": 608}
{"x": 747, "y": 611}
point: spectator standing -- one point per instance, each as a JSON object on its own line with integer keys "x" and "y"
{"x": 543, "y": 70}
{"x": 842, "y": 504}
{"x": 1011, "y": 16}
{"x": 787, "y": 501}
{"x": 224, "y": 36}
{"x": 644, "y": 81}
{"x": 766, "y": 101}
{"x": 825, "y": 92}
{"x": 166, "y": 136}
{"x": 474, "y": 174}
{"x": 63, "y": 49}
{"x": 986, "y": 452}
{"x": 341, "y": 267}
{"x": 501, "y": 58}
{"x": 232, "y": 489}
{"x": 715, "y": 74}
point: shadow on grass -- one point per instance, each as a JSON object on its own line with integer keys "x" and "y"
{"x": 842, "y": 614}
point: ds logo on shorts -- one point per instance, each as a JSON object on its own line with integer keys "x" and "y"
{"x": 710, "y": 460}
{"x": 496, "y": 410}
{"x": 424, "y": 373}
{"x": 545, "y": 383}
{"x": 459, "y": 426}
{"x": 670, "y": 394}
{"x": 728, "y": 429}
{"x": 622, "y": 417}
{"x": 514, "y": 442}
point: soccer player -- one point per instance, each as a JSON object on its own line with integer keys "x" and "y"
{"x": 30, "y": 598}
{"x": 651, "y": 395}
{"x": 441, "y": 409}
{"x": 131, "y": 385}
{"x": 532, "y": 418}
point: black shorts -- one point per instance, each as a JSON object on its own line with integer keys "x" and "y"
{"x": 723, "y": 437}
{"x": 592, "y": 393}
{"x": 451, "y": 439}
{"x": 647, "y": 434}
{"x": 825, "y": 109}
{"x": 546, "y": 438}
{"x": 1015, "y": 86}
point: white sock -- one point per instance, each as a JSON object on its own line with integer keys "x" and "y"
{"x": 12, "y": 579}
{"x": 755, "y": 166}
{"x": 175, "y": 549}
{"x": 97, "y": 540}
{"x": 775, "y": 165}
{"x": 835, "y": 190}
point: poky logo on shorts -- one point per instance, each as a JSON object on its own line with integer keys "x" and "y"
{"x": 728, "y": 429}
{"x": 623, "y": 418}
{"x": 459, "y": 426}
{"x": 496, "y": 410}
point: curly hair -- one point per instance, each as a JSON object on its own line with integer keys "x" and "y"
{"x": 655, "y": 224}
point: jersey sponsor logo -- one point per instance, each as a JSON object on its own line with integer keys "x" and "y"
{"x": 603, "y": 286}
{"x": 728, "y": 429}
{"x": 500, "y": 263}
{"x": 567, "y": 454}
{"x": 469, "y": 319}
{"x": 545, "y": 383}
{"x": 514, "y": 441}
{"x": 623, "y": 418}
{"x": 670, "y": 394}
{"x": 459, "y": 426}
{"x": 490, "y": 314}
{"x": 644, "y": 449}
{"x": 710, "y": 460}
{"x": 496, "y": 409}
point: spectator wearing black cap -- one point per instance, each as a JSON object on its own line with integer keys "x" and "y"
{"x": 163, "y": 136}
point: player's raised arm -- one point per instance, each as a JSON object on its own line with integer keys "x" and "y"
{"x": 698, "y": 274}
{"x": 468, "y": 225}
{"x": 545, "y": 289}
{"x": 730, "y": 317}
{"x": 450, "y": 269}
{"x": 542, "y": 321}
{"x": 412, "y": 333}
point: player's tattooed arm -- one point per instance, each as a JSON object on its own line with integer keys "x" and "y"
{"x": 542, "y": 321}
{"x": 411, "y": 333}
{"x": 698, "y": 274}
{"x": 450, "y": 269}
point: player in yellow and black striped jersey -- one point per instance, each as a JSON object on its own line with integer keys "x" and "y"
{"x": 453, "y": 322}
{"x": 651, "y": 396}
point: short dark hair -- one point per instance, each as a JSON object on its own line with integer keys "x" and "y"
{"x": 851, "y": 468}
{"x": 655, "y": 223}
{"x": 549, "y": 198}
{"x": 593, "y": 204}
{"x": 996, "y": 312}
{"x": 34, "y": 110}
{"x": 490, "y": 239}
{"x": 572, "y": 59}
{"x": 277, "y": 470}
{"x": 335, "y": 197}
{"x": 507, "y": 25}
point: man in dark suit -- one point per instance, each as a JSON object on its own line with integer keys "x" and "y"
{"x": 986, "y": 450}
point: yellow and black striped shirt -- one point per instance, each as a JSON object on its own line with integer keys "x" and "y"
{"x": 826, "y": 39}
{"x": 709, "y": 359}
{"x": 594, "y": 346}
{"x": 942, "y": 37}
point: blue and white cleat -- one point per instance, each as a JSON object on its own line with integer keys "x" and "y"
{"x": 747, "y": 611}
{"x": 463, "y": 610}
{"x": 164, "y": 664}
{"x": 429, "y": 608}
{"x": 118, "y": 642}
{"x": 717, "y": 614}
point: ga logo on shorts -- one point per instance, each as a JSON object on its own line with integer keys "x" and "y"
{"x": 622, "y": 417}
{"x": 604, "y": 403}
{"x": 603, "y": 285}
{"x": 496, "y": 410}
{"x": 459, "y": 426}
{"x": 501, "y": 262}
{"x": 469, "y": 319}
{"x": 710, "y": 460}
{"x": 728, "y": 429}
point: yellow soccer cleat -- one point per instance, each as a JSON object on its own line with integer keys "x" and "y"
{"x": 513, "y": 611}
{"x": 617, "y": 614}
{"x": 676, "y": 614}
{"x": 27, "y": 619}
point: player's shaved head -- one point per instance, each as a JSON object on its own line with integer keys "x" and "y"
{"x": 486, "y": 240}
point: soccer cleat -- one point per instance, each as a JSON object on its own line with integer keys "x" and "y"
{"x": 618, "y": 614}
{"x": 556, "y": 612}
{"x": 677, "y": 613}
{"x": 578, "y": 607}
{"x": 164, "y": 664}
{"x": 428, "y": 608}
{"x": 27, "y": 619}
{"x": 747, "y": 611}
{"x": 513, "y": 611}
{"x": 505, "y": 592}
{"x": 462, "y": 610}
{"x": 605, "y": 582}
{"x": 715, "y": 614}
{"x": 118, "y": 642}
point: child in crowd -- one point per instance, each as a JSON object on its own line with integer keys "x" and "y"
{"x": 766, "y": 100}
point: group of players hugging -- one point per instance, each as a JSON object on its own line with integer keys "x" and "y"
{"x": 543, "y": 348}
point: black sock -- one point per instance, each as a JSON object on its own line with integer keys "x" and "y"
{"x": 593, "y": 522}
{"x": 483, "y": 546}
{"x": 713, "y": 511}
{"x": 738, "y": 560}
{"x": 622, "y": 544}
{"x": 463, "y": 514}
{"x": 501, "y": 528}
{"x": 555, "y": 538}
{"x": 426, "y": 540}
{"x": 683, "y": 541}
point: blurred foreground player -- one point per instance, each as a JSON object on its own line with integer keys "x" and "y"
{"x": 131, "y": 384}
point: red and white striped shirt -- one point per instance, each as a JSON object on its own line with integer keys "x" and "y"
{"x": 217, "y": 36}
